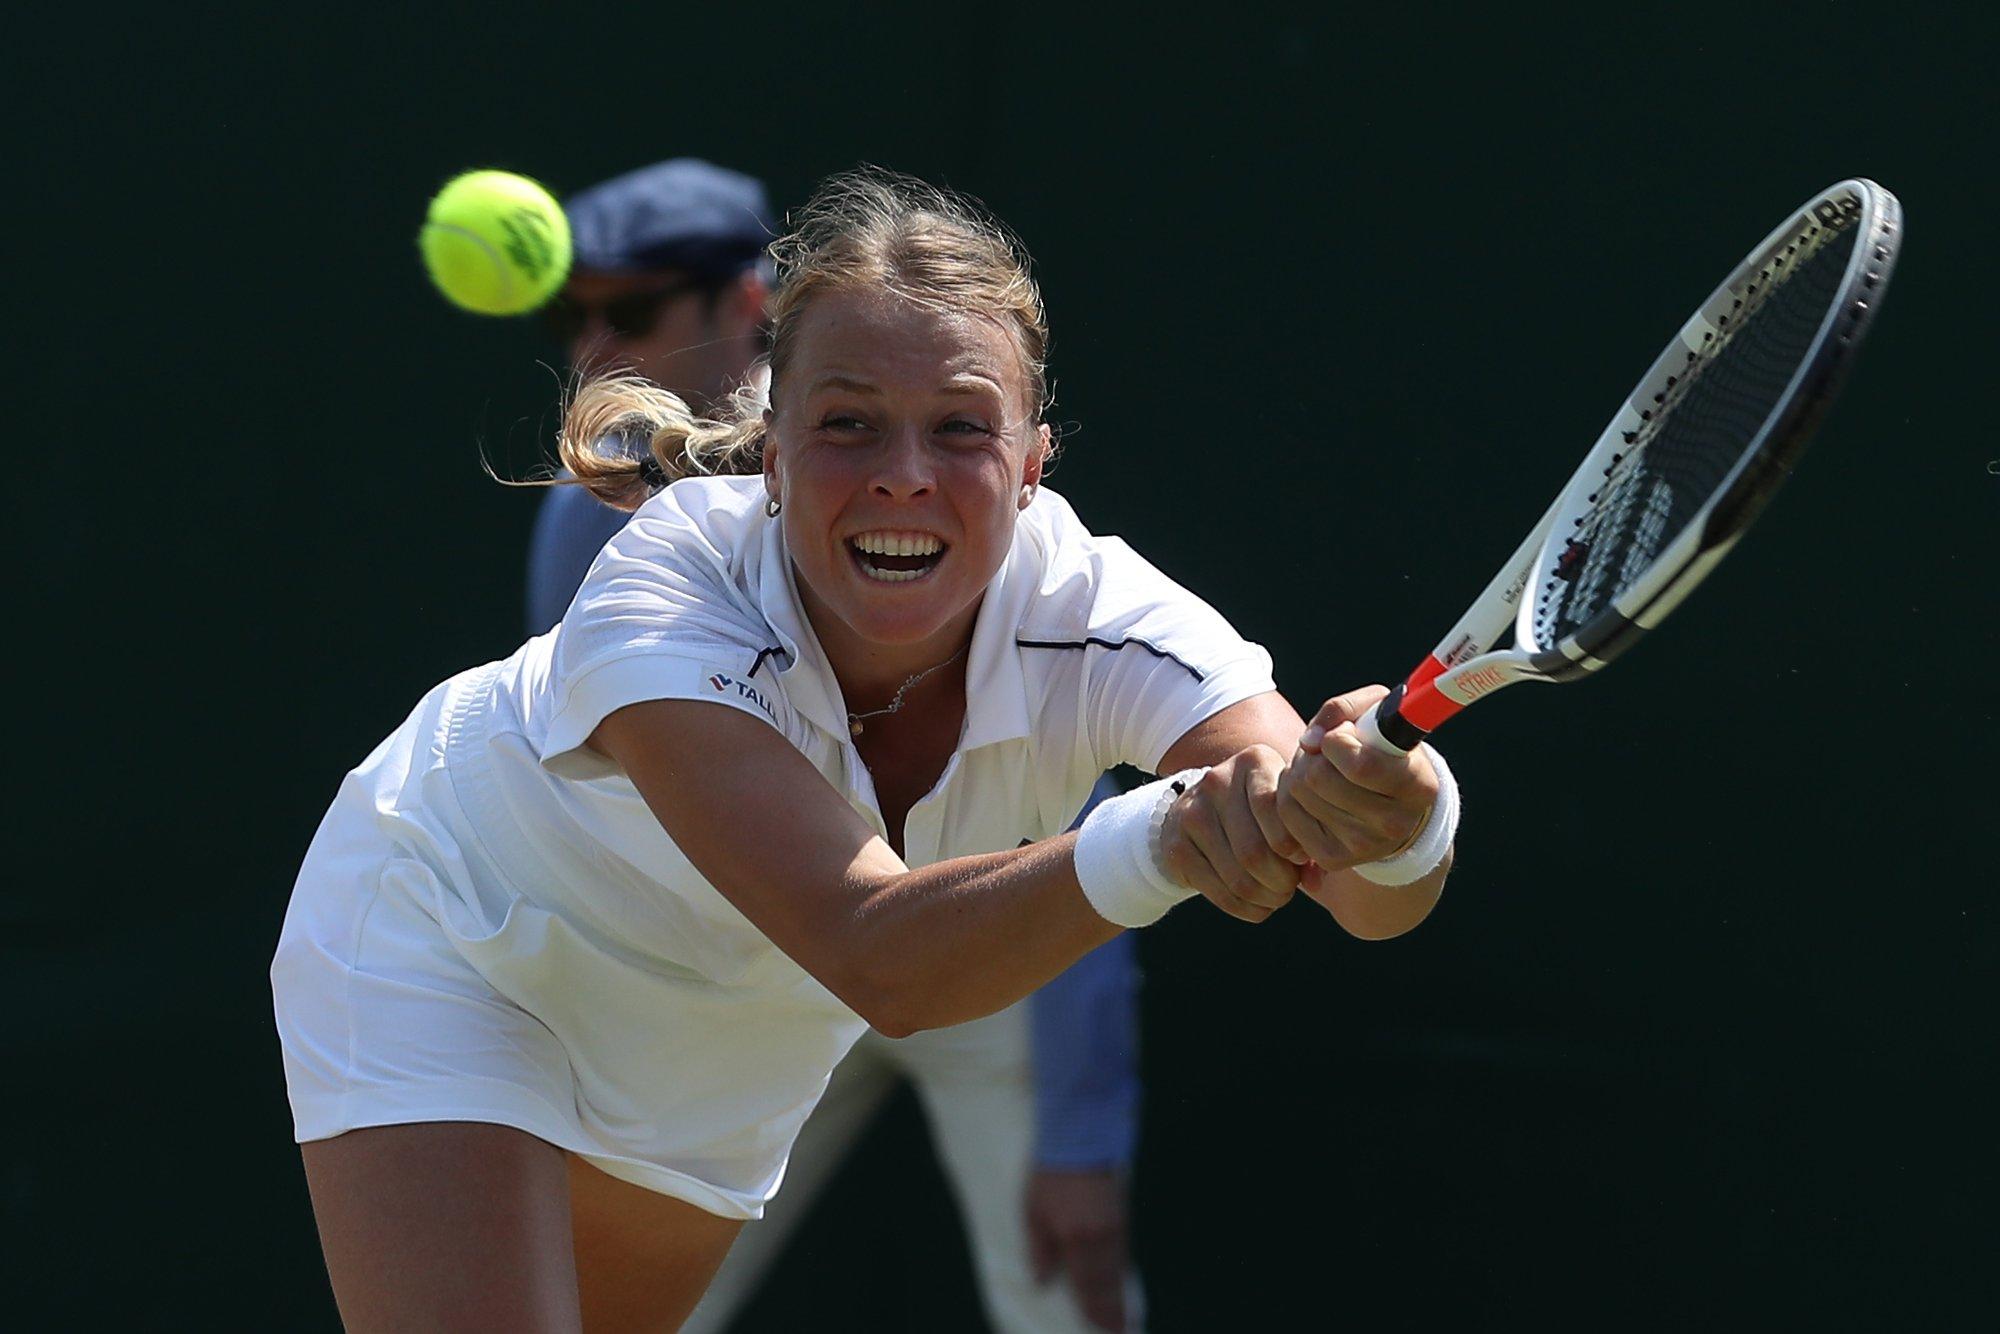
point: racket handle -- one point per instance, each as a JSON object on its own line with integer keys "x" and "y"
{"x": 1385, "y": 728}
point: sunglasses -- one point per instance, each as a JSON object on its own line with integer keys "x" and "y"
{"x": 632, "y": 315}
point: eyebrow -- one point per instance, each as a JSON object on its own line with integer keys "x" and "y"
{"x": 964, "y": 384}
{"x": 842, "y": 382}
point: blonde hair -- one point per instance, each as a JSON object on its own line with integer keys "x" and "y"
{"x": 868, "y": 230}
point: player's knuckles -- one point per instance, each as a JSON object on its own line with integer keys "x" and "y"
{"x": 1279, "y": 840}
{"x": 1247, "y": 885}
{"x": 1289, "y": 849}
{"x": 1188, "y": 812}
{"x": 1313, "y": 837}
{"x": 1271, "y": 870}
{"x": 1214, "y": 784}
{"x": 1237, "y": 879}
{"x": 1325, "y": 778}
{"x": 1365, "y": 766}
{"x": 1202, "y": 827}
{"x": 1315, "y": 807}
{"x": 1297, "y": 774}
{"x": 1264, "y": 808}
{"x": 1260, "y": 760}
{"x": 1276, "y": 838}
{"x": 1260, "y": 799}
{"x": 1345, "y": 749}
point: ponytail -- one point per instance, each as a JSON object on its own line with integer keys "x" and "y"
{"x": 624, "y": 438}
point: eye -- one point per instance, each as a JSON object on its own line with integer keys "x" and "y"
{"x": 965, "y": 426}
{"x": 842, "y": 421}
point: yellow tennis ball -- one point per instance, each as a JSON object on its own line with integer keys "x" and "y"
{"x": 495, "y": 243}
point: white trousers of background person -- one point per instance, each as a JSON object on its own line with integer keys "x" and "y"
{"x": 976, "y": 1084}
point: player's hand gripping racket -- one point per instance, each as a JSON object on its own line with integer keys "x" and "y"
{"x": 1681, "y": 471}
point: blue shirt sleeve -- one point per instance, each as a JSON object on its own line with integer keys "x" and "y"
{"x": 1084, "y": 1026}
{"x": 571, "y": 527}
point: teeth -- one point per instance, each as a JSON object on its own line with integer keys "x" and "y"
{"x": 894, "y": 576}
{"x": 897, "y": 544}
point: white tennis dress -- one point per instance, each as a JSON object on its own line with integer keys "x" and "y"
{"x": 491, "y": 926}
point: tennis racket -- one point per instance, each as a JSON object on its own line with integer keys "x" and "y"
{"x": 1686, "y": 465}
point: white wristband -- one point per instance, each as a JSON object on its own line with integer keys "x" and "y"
{"x": 1118, "y": 853}
{"x": 1423, "y": 856}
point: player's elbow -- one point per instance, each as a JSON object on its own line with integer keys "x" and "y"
{"x": 886, "y": 972}
{"x": 887, "y": 985}
{"x": 886, "y": 1003}
{"x": 877, "y": 983}
{"x": 906, "y": 993}
{"x": 893, "y": 1026}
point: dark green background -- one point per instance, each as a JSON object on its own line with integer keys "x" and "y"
{"x": 1699, "y": 1038}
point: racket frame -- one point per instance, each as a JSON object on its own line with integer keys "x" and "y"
{"x": 1464, "y": 667}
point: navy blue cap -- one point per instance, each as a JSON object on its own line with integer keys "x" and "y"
{"x": 680, "y": 214}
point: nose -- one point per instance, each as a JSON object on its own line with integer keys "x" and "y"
{"x": 904, "y": 471}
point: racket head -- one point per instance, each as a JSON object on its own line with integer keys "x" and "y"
{"x": 1713, "y": 428}
{"x": 1685, "y": 466}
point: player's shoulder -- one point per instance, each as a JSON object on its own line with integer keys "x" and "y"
{"x": 685, "y": 563}
{"x": 701, "y": 517}
{"x": 1092, "y": 585}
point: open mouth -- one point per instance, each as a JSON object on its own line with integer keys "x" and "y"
{"x": 896, "y": 557}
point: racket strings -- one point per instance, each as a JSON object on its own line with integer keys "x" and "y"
{"x": 1700, "y": 426}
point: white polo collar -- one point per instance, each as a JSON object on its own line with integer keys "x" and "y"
{"x": 996, "y": 689}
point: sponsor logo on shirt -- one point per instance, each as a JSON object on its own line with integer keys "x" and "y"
{"x": 724, "y": 684}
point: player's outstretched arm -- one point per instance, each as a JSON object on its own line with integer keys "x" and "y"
{"x": 913, "y": 949}
{"x": 906, "y": 950}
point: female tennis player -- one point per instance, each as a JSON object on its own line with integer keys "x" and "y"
{"x": 573, "y": 952}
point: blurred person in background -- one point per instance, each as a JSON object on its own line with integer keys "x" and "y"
{"x": 1032, "y": 1111}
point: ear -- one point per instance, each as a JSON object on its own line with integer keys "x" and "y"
{"x": 773, "y": 490}
{"x": 1038, "y": 452}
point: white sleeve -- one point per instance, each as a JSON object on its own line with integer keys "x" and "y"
{"x": 656, "y": 618}
{"x": 1159, "y": 663}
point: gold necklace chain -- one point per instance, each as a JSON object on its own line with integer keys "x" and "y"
{"x": 854, "y": 719}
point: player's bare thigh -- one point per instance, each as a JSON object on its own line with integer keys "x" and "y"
{"x": 642, "y": 1259}
{"x": 445, "y": 1226}
{"x": 463, "y": 1226}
